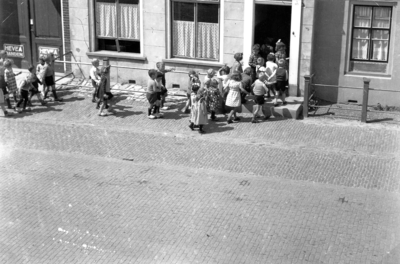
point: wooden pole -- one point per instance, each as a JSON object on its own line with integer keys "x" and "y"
{"x": 307, "y": 79}
{"x": 365, "y": 100}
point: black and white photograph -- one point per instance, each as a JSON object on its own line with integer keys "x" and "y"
{"x": 200, "y": 131}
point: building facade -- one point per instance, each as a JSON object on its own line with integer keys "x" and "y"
{"x": 332, "y": 39}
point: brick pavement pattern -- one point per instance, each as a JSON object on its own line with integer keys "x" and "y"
{"x": 77, "y": 188}
{"x": 103, "y": 210}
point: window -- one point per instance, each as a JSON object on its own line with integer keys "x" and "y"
{"x": 195, "y": 30}
{"x": 117, "y": 25}
{"x": 371, "y": 33}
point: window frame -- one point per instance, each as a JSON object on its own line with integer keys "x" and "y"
{"x": 370, "y": 30}
{"x": 171, "y": 20}
{"x": 95, "y": 38}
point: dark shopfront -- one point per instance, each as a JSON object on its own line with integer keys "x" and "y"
{"x": 30, "y": 29}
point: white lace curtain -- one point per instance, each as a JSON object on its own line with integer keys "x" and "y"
{"x": 207, "y": 43}
{"x": 127, "y": 22}
{"x": 380, "y": 38}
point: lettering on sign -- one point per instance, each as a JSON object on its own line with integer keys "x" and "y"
{"x": 46, "y": 50}
{"x": 14, "y": 50}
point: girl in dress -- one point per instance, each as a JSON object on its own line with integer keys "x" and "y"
{"x": 233, "y": 100}
{"x": 198, "y": 113}
{"x": 214, "y": 97}
{"x": 9, "y": 77}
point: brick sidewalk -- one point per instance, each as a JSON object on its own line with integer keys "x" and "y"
{"x": 100, "y": 210}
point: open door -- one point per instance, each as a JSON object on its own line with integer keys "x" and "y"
{"x": 46, "y": 29}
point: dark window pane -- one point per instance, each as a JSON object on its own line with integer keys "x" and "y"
{"x": 208, "y": 13}
{"x": 132, "y": 2}
{"x": 106, "y": 1}
{"x": 129, "y": 46}
{"x": 9, "y": 18}
{"x": 183, "y": 11}
{"x": 107, "y": 44}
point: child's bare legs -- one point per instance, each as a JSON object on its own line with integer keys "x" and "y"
{"x": 39, "y": 97}
{"x": 102, "y": 106}
{"x": 257, "y": 108}
{"x": 15, "y": 97}
{"x": 230, "y": 116}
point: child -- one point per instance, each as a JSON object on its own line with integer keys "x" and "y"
{"x": 198, "y": 114}
{"x": 233, "y": 99}
{"x": 39, "y": 71}
{"x": 3, "y": 92}
{"x": 159, "y": 91}
{"x": 3, "y": 57}
{"x": 25, "y": 87}
{"x": 214, "y": 97}
{"x": 103, "y": 93}
{"x": 161, "y": 69}
{"x": 253, "y": 60}
{"x": 237, "y": 65}
{"x": 259, "y": 90}
{"x": 270, "y": 70}
{"x": 259, "y": 65}
{"x": 281, "y": 79}
{"x": 280, "y": 51}
{"x": 151, "y": 93}
{"x": 95, "y": 77}
{"x": 35, "y": 86}
{"x": 189, "y": 91}
{"x": 209, "y": 76}
{"x": 9, "y": 77}
{"x": 48, "y": 77}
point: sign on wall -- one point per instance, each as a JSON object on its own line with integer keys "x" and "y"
{"x": 46, "y": 50}
{"x": 14, "y": 50}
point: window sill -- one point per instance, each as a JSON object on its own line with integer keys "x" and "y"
{"x": 194, "y": 62}
{"x": 369, "y": 75}
{"x": 119, "y": 55}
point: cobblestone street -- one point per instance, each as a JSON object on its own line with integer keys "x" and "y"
{"x": 79, "y": 188}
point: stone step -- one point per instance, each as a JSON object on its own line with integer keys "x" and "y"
{"x": 293, "y": 109}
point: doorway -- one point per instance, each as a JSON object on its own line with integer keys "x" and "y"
{"x": 30, "y": 29}
{"x": 272, "y": 22}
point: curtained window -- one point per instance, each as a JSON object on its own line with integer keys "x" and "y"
{"x": 195, "y": 30}
{"x": 117, "y": 25}
{"x": 371, "y": 33}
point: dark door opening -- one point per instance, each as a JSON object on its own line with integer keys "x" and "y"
{"x": 272, "y": 22}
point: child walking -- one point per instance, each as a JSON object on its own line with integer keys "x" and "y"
{"x": 271, "y": 67}
{"x": 189, "y": 91}
{"x": 164, "y": 92}
{"x": 233, "y": 100}
{"x": 48, "y": 77}
{"x": 9, "y": 77}
{"x": 198, "y": 113}
{"x": 25, "y": 87}
{"x": 39, "y": 71}
{"x": 103, "y": 93}
{"x": 95, "y": 77}
{"x": 35, "y": 87}
{"x": 214, "y": 97}
{"x": 281, "y": 79}
{"x": 159, "y": 91}
{"x": 3, "y": 92}
{"x": 151, "y": 93}
{"x": 259, "y": 90}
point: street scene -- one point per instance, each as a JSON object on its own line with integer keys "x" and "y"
{"x": 76, "y": 188}
{"x": 199, "y": 131}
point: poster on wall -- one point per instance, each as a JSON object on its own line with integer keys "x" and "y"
{"x": 14, "y": 50}
{"x": 46, "y": 50}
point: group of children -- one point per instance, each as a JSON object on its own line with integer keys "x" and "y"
{"x": 23, "y": 91}
{"x": 225, "y": 90}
